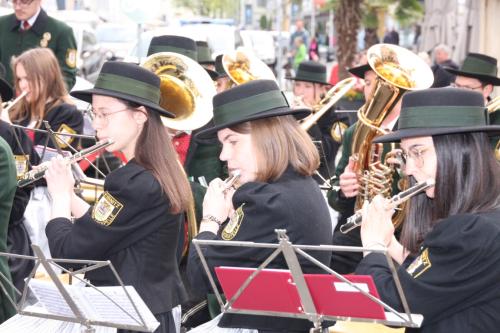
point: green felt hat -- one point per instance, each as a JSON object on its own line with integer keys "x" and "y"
{"x": 128, "y": 82}
{"x": 177, "y": 44}
{"x": 253, "y": 100}
{"x": 478, "y": 66}
{"x": 311, "y": 71}
{"x": 440, "y": 111}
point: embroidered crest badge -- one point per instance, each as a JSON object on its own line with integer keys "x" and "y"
{"x": 21, "y": 165}
{"x": 45, "y": 39}
{"x": 420, "y": 264}
{"x": 106, "y": 209}
{"x": 234, "y": 224}
{"x": 71, "y": 58}
{"x": 337, "y": 131}
{"x": 67, "y": 139}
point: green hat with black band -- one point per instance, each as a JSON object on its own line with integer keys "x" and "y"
{"x": 311, "y": 71}
{"x": 128, "y": 82}
{"x": 203, "y": 53}
{"x": 478, "y": 66}
{"x": 204, "y": 56}
{"x": 253, "y": 100}
{"x": 219, "y": 68}
{"x": 176, "y": 44}
{"x": 441, "y": 111}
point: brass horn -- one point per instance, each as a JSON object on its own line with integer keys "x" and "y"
{"x": 331, "y": 97}
{"x": 398, "y": 70}
{"x": 242, "y": 66}
{"x": 186, "y": 90}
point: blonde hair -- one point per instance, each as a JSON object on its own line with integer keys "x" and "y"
{"x": 46, "y": 84}
{"x": 280, "y": 142}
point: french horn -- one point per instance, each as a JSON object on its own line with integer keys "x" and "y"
{"x": 186, "y": 90}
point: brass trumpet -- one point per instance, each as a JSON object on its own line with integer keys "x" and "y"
{"x": 355, "y": 220}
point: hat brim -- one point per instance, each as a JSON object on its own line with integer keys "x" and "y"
{"x": 491, "y": 130}
{"x": 360, "y": 71}
{"x": 6, "y": 90}
{"x": 294, "y": 78}
{"x": 209, "y": 133}
{"x": 86, "y": 95}
{"x": 481, "y": 77}
{"x": 213, "y": 74}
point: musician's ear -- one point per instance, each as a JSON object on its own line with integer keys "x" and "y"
{"x": 141, "y": 116}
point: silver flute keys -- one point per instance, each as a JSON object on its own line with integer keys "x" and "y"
{"x": 35, "y": 174}
{"x": 231, "y": 180}
{"x": 355, "y": 220}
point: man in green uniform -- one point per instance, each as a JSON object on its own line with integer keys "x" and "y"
{"x": 7, "y": 192}
{"x": 29, "y": 27}
{"x": 479, "y": 73}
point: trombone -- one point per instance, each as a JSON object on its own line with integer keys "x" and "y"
{"x": 332, "y": 96}
{"x": 493, "y": 105}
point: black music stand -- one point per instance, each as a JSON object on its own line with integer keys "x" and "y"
{"x": 308, "y": 308}
{"x": 124, "y": 307}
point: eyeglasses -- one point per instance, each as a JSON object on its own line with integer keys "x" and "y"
{"x": 22, "y": 2}
{"x": 454, "y": 85}
{"x": 417, "y": 155}
{"x": 103, "y": 117}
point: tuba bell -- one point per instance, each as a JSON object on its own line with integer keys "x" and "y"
{"x": 242, "y": 66}
{"x": 186, "y": 90}
{"x": 398, "y": 71}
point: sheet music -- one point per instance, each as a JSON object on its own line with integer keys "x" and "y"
{"x": 50, "y": 298}
{"x": 20, "y": 323}
{"x": 95, "y": 304}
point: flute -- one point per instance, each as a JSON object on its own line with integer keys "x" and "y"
{"x": 231, "y": 180}
{"x": 34, "y": 175}
{"x": 355, "y": 220}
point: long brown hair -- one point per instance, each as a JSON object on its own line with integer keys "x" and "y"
{"x": 467, "y": 181}
{"x": 46, "y": 84}
{"x": 155, "y": 152}
{"x": 280, "y": 142}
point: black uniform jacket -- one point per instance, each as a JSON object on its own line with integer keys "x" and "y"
{"x": 293, "y": 202}
{"x": 130, "y": 225}
{"x": 63, "y": 118}
{"x": 455, "y": 281}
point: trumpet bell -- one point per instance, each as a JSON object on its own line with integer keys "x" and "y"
{"x": 242, "y": 66}
{"x": 186, "y": 90}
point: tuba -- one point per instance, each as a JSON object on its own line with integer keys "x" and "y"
{"x": 398, "y": 71}
{"x": 242, "y": 66}
{"x": 186, "y": 90}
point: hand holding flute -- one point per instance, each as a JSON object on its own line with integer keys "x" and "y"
{"x": 218, "y": 204}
